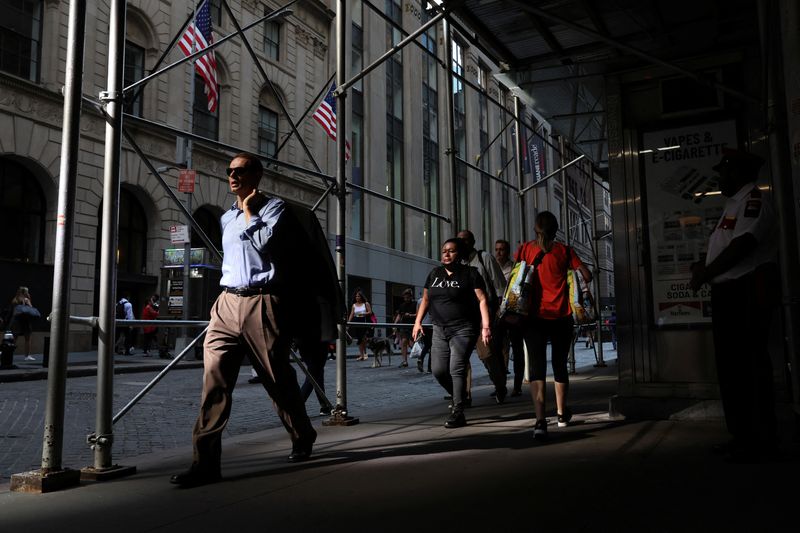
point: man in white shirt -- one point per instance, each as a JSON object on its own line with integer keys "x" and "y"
{"x": 502, "y": 252}
{"x": 740, "y": 266}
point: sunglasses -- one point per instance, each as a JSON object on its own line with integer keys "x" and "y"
{"x": 236, "y": 171}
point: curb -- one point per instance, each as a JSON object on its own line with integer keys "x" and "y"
{"x": 76, "y": 372}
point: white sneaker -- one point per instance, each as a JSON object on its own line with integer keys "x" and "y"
{"x": 30, "y": 358}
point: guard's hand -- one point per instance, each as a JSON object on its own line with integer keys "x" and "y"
{"x": 416, "y": 332}
{"x": 698, "y": 276}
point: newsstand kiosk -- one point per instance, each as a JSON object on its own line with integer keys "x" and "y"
{"x": 204, "y": 276}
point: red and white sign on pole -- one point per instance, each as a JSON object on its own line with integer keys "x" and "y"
{"x": 186, "y": 179}
{"x": 179, "y": 234}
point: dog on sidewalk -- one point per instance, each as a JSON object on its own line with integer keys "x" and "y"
{"x": 379, "y": 345}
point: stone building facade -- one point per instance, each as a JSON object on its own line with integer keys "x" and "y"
{"x": 396, "y": 125}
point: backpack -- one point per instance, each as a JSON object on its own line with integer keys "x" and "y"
{"x": 120, "y": 310}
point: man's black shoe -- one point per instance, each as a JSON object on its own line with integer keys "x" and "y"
{"x": 515, "y": 393}
{"x": 194, "y": 477}
{"x": 254, "y": 379}
{"x": 301, "y": 449}
{"x": 724, "y": 448}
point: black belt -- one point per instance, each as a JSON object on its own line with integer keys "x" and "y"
{"x": 246, "y": 291}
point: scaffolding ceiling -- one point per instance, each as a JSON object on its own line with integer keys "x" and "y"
{"x": 558, "y": 52}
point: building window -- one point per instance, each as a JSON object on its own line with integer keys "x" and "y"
{"x": 22, "y": 213}
{"x": 394, "y": 129}
{"x": 459, "y": 119}
{"x": 204, "y": 122}
{"x": 504, "y": 167}
{"x": 208, "y": 219}
{"x": 430, "y": 140}
{"x": 483, "y": 138}
{"x": 21, "y": 37}
{"x": 357, "y": 133}
{"x": 216, "y": 12}
{"x": 131, "y": 236}
{"x": 133, "y": 72}
{"x": 272, "y": 38}
{"x": 393, "y": 34}
{"x": 267, "y": 131}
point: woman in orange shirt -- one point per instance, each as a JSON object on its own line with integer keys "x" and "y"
{"x": 551, "y": 316}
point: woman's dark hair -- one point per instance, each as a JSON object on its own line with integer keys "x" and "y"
{"x": 460, "y": 246}
{"x": 358, "y": 292}
{"x": 546, "y": 227}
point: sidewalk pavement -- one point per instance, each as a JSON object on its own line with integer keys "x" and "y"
{"x": 401, "y": 470}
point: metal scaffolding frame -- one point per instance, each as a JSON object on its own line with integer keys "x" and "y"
{"x": 110, "y": 106}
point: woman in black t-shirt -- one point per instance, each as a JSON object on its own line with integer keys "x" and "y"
{"x": 455, "y": 295}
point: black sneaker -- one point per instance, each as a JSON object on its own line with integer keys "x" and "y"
{"x": 500, "y": 395}
{"x": 456, "y": 419}
{"x": 564, "y": 418}
{"x": 540, "y": 429}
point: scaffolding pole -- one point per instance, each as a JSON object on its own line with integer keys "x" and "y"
{"x": 102, "y": 439}
{"x": 339, "y": 415}
{"x": 521, "y": 183}
{"x": 450, "y": 151}
{"x": 52, "y": 475}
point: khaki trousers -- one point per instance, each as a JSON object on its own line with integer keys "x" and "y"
{"x": 239, "y": 326}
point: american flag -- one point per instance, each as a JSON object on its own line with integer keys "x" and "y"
{"x": 205, "y": 65}
{"x": 326, "y": 116}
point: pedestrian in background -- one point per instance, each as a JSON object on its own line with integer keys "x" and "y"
{"x": 508, "y": 337}
{"x": 741, "y": 267}
{"x": 150, "y": 312}
{"x": 495, "y": 283}
{"x": 427, "y": 338}
{"x": 455, "y": 295}
{"x": 360, "y": 311}
{"x": 20, "y": 319}
{"x": 125, "y": 334}
{"x": 405, "y": 315}
{"x": 552, "y": 320}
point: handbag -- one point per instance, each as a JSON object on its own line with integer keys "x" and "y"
{"x": 416, "y": 350}
{"x": 517, "y": 301}
{"x": 582, "y": 310}
{"x": 27, "y": 310}
{"x": 373, "y": 318}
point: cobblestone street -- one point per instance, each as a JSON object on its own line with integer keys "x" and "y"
{"x": 163, "y": 419}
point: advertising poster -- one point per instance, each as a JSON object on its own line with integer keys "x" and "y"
{"x": 683, "y": 207}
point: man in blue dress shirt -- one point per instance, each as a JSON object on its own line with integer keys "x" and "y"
{"x": 251, "y": 317}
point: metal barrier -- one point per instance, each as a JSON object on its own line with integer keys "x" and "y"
{"x": 94, "y": 321}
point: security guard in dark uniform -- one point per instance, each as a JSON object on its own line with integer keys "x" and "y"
{"x": 740, "y": 266}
